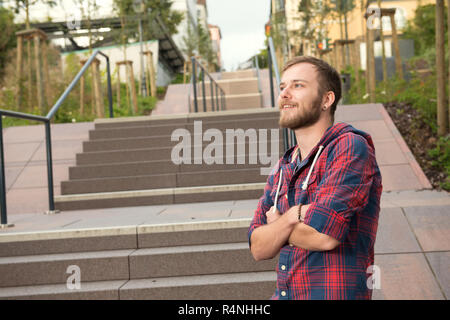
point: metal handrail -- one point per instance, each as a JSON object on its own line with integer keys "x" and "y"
{"x": 46, "y": 120}
{"x": 213, "y": 85}
{"x": 258, "y": 76}
{"x": 288, "y": 135}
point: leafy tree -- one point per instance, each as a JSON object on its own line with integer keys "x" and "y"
{"x": 422, "y": 28}
{"x": 26, "y": 4}
{"x": 170, "y": 18}
{"x": 7, "y": 36}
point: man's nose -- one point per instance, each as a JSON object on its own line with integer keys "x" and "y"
{"x": 285, "y": 93}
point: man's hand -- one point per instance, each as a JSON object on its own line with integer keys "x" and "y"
{"x": 272, "y": 215}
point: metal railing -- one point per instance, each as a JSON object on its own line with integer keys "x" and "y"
{"x": 217, "y": 93}
{"x": 46, "y": 120}
{"x": 258, "y": 76}
{"x": 288, "y": 135}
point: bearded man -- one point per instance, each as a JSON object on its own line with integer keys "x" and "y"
{"x": 319, "y": 211}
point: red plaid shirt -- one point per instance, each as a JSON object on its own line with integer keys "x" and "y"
{"x": 344, "y": 191}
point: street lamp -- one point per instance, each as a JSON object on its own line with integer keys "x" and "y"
{"x": 139, "y": 8}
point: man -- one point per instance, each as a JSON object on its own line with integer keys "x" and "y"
{"x": 327, "y": 191}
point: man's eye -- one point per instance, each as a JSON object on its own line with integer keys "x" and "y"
{"x": 298, "y": 85}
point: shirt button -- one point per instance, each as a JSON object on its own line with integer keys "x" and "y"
{"x": 283, "y": 267}
{"x": 286, "y": 196}
{"x": 283, "y": 293}
{"x": 291, "y": 245}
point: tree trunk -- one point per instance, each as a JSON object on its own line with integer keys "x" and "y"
{"x": 442, "y": 108}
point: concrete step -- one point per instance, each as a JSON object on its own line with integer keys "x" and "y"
{"x": 167, "y": 130}
{"x": 53, "y": 268}
{"x": 143, "y": 168}
{"x": 133, "y": 198}
{"x": 195, "y": 260}
{"x": 169, "y": 180}
{"x": 130, "y": 264}
{"x": 99, "y": 290}
{"x": 241, "y": 74}
{"x": 236, "y": 286}
{"x": 231, "y": 86}
{"x": 177, "y": 119}
{"x": 233, "y": 102}
{"x": 121, "y": 238}
{"x": 198, "y": 151}
{"x": 142, "y": 143}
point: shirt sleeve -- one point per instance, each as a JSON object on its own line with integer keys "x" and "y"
{"x": 264, "y": 204}
{"x": 344, "y": 188}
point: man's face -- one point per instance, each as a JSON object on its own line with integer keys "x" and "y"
{"x": 299, "y": 100}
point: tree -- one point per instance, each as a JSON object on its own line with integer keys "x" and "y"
{"x": 26, "y": 4}
{"x": 312, "y": 17}
{"x": 422, "y": 28}
{"x": 7, "y": 36}
{"x": 163, "y": 8}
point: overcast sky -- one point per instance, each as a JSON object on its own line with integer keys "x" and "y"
{"x": 241, "y": 23}
{"x": 242, "y": 26}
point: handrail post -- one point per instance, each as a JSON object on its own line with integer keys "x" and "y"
{"x": 203, "y": 90}
{"x": 4, "y": 214}
{"x": 217, "y": 97}
{"x": 272, "y": 94}
{"x": 194, "y": 81}
{"x": 110, "y": 98}
{"x": 212, "y": 93}
{"x": 48, "y": 141}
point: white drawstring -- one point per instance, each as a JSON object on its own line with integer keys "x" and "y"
{"x": 278, "y": 191}
{"x": 305, "y": 184}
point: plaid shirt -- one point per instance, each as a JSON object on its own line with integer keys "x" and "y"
{"x": 344, "y": 191}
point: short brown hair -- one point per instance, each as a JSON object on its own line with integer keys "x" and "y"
{"x": 329, "y": 78}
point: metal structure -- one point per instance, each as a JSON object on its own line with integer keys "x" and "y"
{"x": 108, "y": 29}
{"x": 216, "y": 91}
{"x": 288, "y": 135}
{"x": 46, "y": 120}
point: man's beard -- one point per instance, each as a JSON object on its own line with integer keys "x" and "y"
{"x": 303, "y": 117}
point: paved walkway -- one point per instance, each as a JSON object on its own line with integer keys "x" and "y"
{"x": 413, "y": 240}
{"x": 26, "y": 171}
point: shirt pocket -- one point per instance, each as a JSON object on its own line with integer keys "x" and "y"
{"x": 281, "y": 196}
{"x": 307, "y": 196}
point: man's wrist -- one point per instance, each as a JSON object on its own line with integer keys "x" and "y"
{"x": 299, "y": 212}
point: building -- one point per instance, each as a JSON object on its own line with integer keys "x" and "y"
{"x": 216, "y": 36}
{"x": 289, "y": 21}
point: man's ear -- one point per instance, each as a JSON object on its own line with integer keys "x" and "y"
{"x": 328, "y": 99}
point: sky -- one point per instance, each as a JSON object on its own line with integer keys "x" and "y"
{"x": 241, "y": 23}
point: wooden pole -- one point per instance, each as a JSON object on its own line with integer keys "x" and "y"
{"x": 118, "y": 85}
{"x": 99, "y": 107}
{"x": 30, "y": 79}
{"x": 383, "y": 49}
{"x": 355, "y": 64}
{"x": 398, "y": 60}
{"x": 82, "y": 79}
{"x": 19, "y": 72}
{"x": 82, "y": 95}
{"x": 152, "y": 74}
{"x": 448, "y": 24}
{"x": 48, "y": 91}
{"x": 442, "y": 108}
{"x": 132, "y": 86}
{"x": 39, "y": 84}
{"x": 371, "y": 65}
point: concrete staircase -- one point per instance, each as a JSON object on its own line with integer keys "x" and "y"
{"x": 202, "y": 260}
{"x": 240, "y": 87}
{"x": 128, "y": 162}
